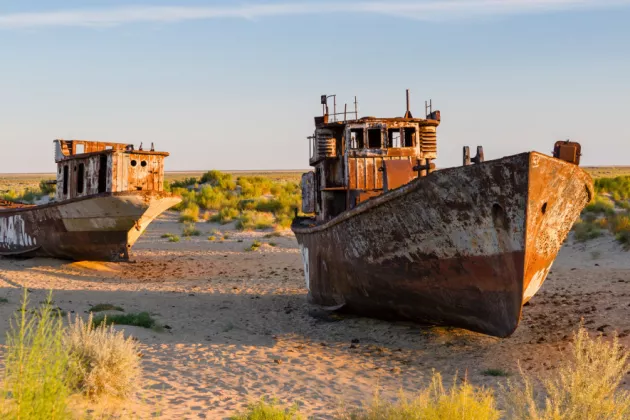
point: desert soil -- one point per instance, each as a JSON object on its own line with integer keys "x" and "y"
{"x": 238, "y": 326}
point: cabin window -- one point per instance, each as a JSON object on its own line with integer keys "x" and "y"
{"x": 356, "y": 138}
{"x": 108, "y": 147}
{"x": 393, "y": 137}
{"x": 102, "y": 174}
{"x": 374, "y": 138}
{"x": 143, "y": 163}
{"x": 65, "y": 180}
{"x": 79, "y": 149}
{"x": 409, "y": 136}
{"x": 134, "y": 163}
{"x": 80, "y": 178}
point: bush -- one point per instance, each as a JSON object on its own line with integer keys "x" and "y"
{"x": 249, "y": 220}
{"x": 268, "y": 411}
{"x": 35, "y": 379}
{"x": 47, "y": 188}
{"x": 585, "y": 386}
{"x": 190, "y": 213}
{"x": 585, "y": 231}
{"x": 102, "y": 361}
{"x": 600, "y": 204}
{"x": 190, "y": 230}
{"x": 463, "y": 401}
{"x": 142, "y": 319}
{"x": 225, "y": 215}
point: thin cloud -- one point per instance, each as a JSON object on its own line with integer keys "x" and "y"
{"x": 428, "y": 10}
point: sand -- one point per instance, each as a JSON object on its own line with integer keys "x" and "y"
{"x": 238, "y": 327}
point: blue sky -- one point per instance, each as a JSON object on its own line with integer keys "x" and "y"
{"x": 235, "y": 85}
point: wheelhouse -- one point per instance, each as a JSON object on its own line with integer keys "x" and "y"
{"x": 359, "y": 158}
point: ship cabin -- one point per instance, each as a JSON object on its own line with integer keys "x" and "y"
{"x": 359, "y": 158}
{"x": 86, "y": 168}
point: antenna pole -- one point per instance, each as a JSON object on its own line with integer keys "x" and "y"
{"x": 407, "y": 92}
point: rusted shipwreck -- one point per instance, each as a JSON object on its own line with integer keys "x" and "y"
{"x": 106, "y": 196}
{"x": 393, "y": 238}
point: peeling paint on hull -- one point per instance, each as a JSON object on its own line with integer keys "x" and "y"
{"x": 465, "y": 246}
{"x": 103, "y": 227}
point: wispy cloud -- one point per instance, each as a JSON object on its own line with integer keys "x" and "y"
{"x": 428, "y": 10}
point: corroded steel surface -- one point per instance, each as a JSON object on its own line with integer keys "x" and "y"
{"x": 101, "y": 227}
{"x": 107, "y": 194}
{"x": 464, "y": 246}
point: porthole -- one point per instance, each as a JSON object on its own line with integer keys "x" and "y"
{"x": 143, "y": 163}
{"x": 134, "y": 163}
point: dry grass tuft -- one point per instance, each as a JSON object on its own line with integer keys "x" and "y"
{"x": 102, "y": 361}
{"x": 462, "y": 402}
{"x": 263, "y": 410}
{"x": 585, "y": 387}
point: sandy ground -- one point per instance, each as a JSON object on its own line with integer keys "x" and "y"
{"x": 238, "y": 326}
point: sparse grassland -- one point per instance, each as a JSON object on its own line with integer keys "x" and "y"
{"x": 609, "y": 211}
{"x": 253, "y": 202}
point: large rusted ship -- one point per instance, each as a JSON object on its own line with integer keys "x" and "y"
{"x": 391, "y": 237}
{"x": 106, "y": 196}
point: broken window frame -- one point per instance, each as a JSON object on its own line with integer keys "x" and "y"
{"x": 369, "y": 142}
{"x": 408, "y": 136}
{"x": 356, "y": 142}
{"x": 391, "y": 140}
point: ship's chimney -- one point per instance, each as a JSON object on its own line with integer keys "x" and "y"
{"x": 408, "y": 113}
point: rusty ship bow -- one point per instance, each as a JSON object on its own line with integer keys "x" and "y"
{"x": 465, "y": 246}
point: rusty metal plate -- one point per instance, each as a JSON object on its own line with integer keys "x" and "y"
{"x": 397, "y": 173}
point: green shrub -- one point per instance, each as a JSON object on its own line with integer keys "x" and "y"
{"x": 142, "y": 319}
{"x": 35, "y": 381}
{"x": 102, "y": 361}
{"x": 190, "y": 213}
{"x": 106, "y": 307}
{"x": 173, "y": 238}
{"x": 584, "y": 231}
{"x": 600, "y": 205}
{"x": 190, "y": 230}
{"x": 249, "y": 220}
{"x": 225, "y": 215}
{"x": 254, "y": 246}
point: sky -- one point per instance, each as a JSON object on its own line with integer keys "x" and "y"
{"x": 235, "y": 85}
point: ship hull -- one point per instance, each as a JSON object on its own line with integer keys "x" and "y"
{"x": 464, "y": 247}
{"x": 102, "y": 227}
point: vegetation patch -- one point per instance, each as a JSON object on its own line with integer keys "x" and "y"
{"x": 254, "y": 246}
{"x": 250, "y": 220}
{"x": 101, "y": 360}
{"x": 585, "y": 385}
{"x": 495, "y": 372}
{"x": 4, "y": 300}
{"x": 236, "y": 199}
{"x": 263, "y": 410}
{"x": 190, "y": 230}
{"x": 461, "y": 401}
{"x": 106, "y": 307}
{"x": 141, "y": 319}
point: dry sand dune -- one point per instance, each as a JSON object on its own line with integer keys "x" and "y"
{"x": 238, "y": 327}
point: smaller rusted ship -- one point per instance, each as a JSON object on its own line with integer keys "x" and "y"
{"x": 107, "y": 194}
{"x": 391, "y": 237}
